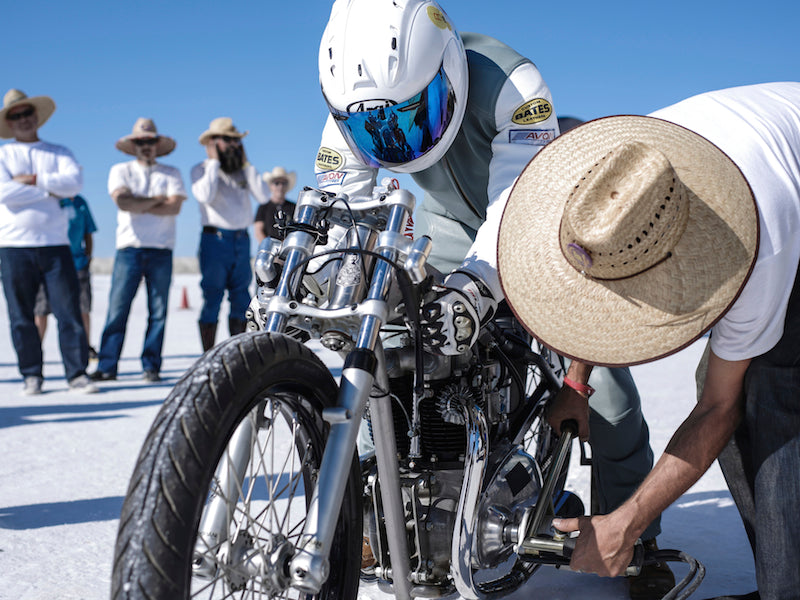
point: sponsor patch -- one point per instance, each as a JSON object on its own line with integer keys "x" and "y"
{"x": 533, "y": 111}
{"x": 329, "y": 160}
{"x": 534, "y": 137}
{"x": 438, "y": 18}
{"x": 330, "y": 178}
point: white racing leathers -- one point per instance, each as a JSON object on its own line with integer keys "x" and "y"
{"x": 509, "y": 117}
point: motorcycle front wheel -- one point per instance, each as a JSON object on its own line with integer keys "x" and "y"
{"x": 269, "y": 391}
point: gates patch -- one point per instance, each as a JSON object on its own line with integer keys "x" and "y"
{"x": 329, "y": 160}
{"x": 533, "y": 111}
{"x": 534, "y": 137}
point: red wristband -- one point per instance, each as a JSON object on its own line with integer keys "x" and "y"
{"x": 581, "y": 388}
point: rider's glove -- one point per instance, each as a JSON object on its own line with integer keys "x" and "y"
{"x": 451, "y": 321}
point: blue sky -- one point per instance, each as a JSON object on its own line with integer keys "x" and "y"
{"x": 185, "y": 63}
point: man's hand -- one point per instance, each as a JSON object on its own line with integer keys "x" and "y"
{"x": 602, "y": 546}
{"x": 211, "y": 149}
{"x": 569, "y": 404}
{"x": 26, "y": 179}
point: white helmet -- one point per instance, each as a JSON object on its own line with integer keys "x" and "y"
{"x": 394, "y": 75}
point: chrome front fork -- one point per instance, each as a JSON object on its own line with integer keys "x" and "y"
{"x": 309, "y": 568}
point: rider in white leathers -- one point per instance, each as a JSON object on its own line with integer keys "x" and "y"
{"x": 463, "y": 114}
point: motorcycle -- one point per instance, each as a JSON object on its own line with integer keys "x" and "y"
{"x": 267, "y": 471}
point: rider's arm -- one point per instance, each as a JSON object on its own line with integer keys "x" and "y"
{"x": 337, "y": 169}
{"x": 523, "y": 99}
{"x": 605, "y": 544}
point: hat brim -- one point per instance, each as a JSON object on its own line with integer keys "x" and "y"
{"x": 291, "y": 177}
{"x": 44, "y": 105}
{"x": 164, "y": 146}
{"x": 208, "y": 134}
{"x": 647, "y": 316}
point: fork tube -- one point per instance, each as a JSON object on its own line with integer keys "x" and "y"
{"x": 380, "y": 410}
{"x": 310, "y": 565}
{"x": 213, "y": 529}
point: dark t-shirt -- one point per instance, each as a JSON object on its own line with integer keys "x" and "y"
{"x": 266, "y": 213}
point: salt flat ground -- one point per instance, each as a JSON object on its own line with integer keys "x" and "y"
{"x": 65, "y": 460}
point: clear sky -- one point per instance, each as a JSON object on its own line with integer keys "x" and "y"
{"x": 185, "y": 63}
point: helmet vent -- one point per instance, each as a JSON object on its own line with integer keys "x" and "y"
{"x": 360, "y": 70}
{"x": 394, "y": 43}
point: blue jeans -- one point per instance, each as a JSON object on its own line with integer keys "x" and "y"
{"x": 225, "y": 265}
{"x": 130, "y": 266}
{"x": 23, "y": 271}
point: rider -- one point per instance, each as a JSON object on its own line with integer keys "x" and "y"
{"x": 464, "y": 114}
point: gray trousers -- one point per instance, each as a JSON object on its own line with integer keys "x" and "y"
{"x": 620, "y": 441}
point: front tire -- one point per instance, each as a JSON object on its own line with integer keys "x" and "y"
{"x": 274, "y": 389}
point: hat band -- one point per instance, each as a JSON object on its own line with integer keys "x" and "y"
{"x": 667, "y": 256}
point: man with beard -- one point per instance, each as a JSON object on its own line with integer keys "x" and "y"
{"x": 222, "y": 185}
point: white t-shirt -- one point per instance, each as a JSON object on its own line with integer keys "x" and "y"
{"x": 224, "y": 198}
{"x": 758, "y": 127}
{"x": 145, "y": 230}
{"x": 31, "y": 215}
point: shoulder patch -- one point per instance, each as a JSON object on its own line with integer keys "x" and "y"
{"x": 533, "y": 111}
{"x": 438, "y": 18}
{"x": 329, "y": 160}
{"x": 534, "y": 137}
{"x": 329, "y": 178}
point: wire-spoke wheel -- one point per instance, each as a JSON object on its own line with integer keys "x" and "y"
{"x": 219, "y": 496}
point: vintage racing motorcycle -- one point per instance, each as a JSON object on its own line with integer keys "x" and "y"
{"x": 250, "y": 483}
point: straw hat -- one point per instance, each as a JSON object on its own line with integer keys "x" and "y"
{"x": 145, "y": 128}
{"x": 44, "y": 106}
{"x": 625, "y": 240}
{"x": 221, "y": 126}
{"x": 281, "y": 173}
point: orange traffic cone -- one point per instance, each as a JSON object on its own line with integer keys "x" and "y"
{"x": 184, "y": 299}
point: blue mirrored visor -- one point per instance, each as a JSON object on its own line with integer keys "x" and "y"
{"x": 395, "y": 134}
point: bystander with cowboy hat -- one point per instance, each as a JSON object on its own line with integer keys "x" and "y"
{"x": 35, "y": 177}
{"x": 222, "y": 185}
{"x": 149, "y": 196}
{"x": 280, "y": 182}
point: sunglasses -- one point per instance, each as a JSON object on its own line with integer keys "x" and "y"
{"x": 145, "y": 141}
{"x": 226, "y": 138}
{"x": 21, "y": 115}
{"x": 279, "y": 182}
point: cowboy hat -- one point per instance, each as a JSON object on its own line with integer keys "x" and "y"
{"x": 221, "y": 126}
{"x": 44, "y": 106}
{"x": 625, "y": 240}
{"x": 142, "y": 129}
{"x": 281, "y": 173}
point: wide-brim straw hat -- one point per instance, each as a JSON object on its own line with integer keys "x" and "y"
{"x": 221, "y": 126}
{"x": 142, "y": 129}
{"x": 281, "y": 173}
{"x": 44, "y": 106}
{"x": 625, "y": 240}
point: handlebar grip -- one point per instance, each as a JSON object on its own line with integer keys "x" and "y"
{"x": 569, "y": 426}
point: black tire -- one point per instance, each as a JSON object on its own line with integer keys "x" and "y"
{"x": 273, "y": 382}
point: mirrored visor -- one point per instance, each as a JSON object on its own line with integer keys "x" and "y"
{"x": 395, "y": 134}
